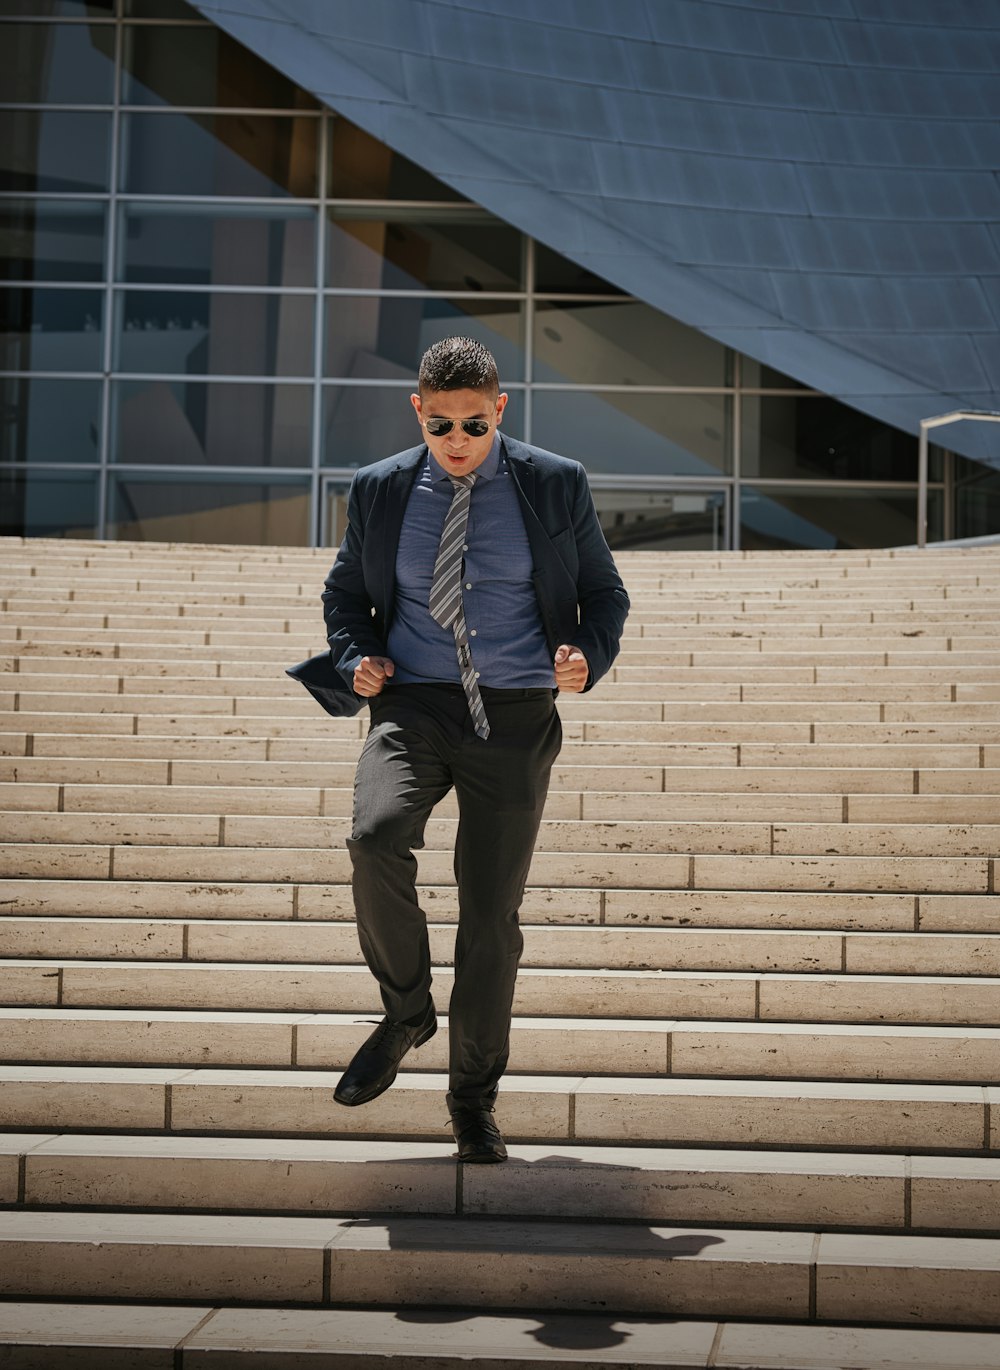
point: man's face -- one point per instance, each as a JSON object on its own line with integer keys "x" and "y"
{"x": 456, "y": 452}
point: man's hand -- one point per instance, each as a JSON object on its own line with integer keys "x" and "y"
{"x": 572, "y": 670}
{"x": 370, "y": 675}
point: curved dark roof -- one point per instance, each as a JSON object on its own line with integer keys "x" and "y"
{"x": 812, "y": 182}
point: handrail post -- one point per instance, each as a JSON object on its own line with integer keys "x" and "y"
{"x": 922, "y": 478}
{"x": 957, "y": 416}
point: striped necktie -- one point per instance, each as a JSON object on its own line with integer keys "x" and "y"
{"x": 445, "y": 603}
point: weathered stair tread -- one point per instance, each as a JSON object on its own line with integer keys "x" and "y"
{"x": 640, "y": 870}
{"x": 291, "y": 1338}
{"x": 766, "y": 1189}
{"x": 611, "y": 946}
{"x": 607, "y": 993}
{"x": 565, "y": 1046}
{"x": 723, "y": 907}
{"x": 722, "y": 805}
{"x": 702, "y": 1111}
{"x": 607, "y": 833}
{"x": 486, "y": 1263}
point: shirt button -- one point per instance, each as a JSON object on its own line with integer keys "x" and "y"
{"x": 468, "y": 584}
{"x": 472, "y": 632}
{"x": 465, "y": 546}
{"x": 477, "y": 675}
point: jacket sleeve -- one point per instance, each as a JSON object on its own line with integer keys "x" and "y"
{"x": 348, "y": 608}
{"x": 603, "y": 602}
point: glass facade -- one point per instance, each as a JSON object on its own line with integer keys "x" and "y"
{"x": 215, "y": 294}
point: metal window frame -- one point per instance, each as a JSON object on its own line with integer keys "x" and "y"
{"x": 923, "y": 459}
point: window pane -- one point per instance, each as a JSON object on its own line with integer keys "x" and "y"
{"x": 776, "y": 518}
{"x": 176, "y": 244}
{"x": 49, "y": 150}
{"x": 663, "y": 435}
{"x": 977, "y": 500}
{"x": 816, "y": 438}
{"x": 446, "y": 249}
{"x": 57, "y": 64}
{"x": 194, "y": 423}
{"x": 622, "y": 343}
{"x": 210, "y": 508}
{"x": 364, "y": 423}
{"x": 50, "y": 420}
{"x": 219, "y": 154}
{"x": 555, "y": 273}
{"x": 362, "y": 168}
{"x": 179, "y": 333}
{"x": 47, "y": 504}
{"x": 51, "y": 240}
{"x": 663, "y": 520}
{"x": 50, "y": 330}
{"x": 384, "y": 339}
{"x": 201, "y": 66}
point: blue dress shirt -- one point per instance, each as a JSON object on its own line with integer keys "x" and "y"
{"x": 501, "y": 611}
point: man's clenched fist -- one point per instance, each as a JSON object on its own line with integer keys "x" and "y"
{"x": 370, "y": 675}
{"x": 572, "y": 670}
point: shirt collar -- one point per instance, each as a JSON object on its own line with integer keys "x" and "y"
{"x": 486, "y": 471}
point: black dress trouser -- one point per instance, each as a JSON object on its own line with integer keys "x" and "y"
{"x": 421, "y": 743}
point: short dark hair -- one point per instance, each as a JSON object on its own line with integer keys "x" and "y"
{"x": 458, "y": 364}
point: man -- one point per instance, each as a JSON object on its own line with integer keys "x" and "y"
{"x": 473, "y": 583}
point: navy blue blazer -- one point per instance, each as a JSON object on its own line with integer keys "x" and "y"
{"x": 580, "y": 595}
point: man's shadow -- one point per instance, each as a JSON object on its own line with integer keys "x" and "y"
{"x": 569, "y": 1330}
{"x": 559, "y": 1331}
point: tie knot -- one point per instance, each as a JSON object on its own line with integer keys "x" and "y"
{"x": 463, "y": 482}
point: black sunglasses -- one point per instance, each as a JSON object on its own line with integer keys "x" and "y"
{"x": 440, "y": 428}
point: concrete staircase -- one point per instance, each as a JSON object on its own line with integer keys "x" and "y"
{"x": 753, "y": 1097}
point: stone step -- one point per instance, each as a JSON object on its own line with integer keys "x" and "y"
{"x": 823, "y": 652}
{"x": 575, "y": 1046}
{"x": 319, "y": 750}
{"x": 488, "y": 1263}
{"x": 156, "y": 714}
{"x": 675, "y": 806}
{"x": 638, "y": 870}
{"x": 148, "y": 1334}
{"x": 583, "y": 711}
{"x": 953, "y": 668}
{"x": 196, "y": 627}
{"x": 104, "y": 609}
{"x": 637, "y": 1184}
{"x": 566, "y": 946}
{"x": 835, "y": 809}
{"x": 700, "y": 1111}
{"x": 708, "y": 603}
{"x": 880, "y": 686}
{"x": 80, "y": 760}
{"x": 821, "y": 997}
{"x": 727, "y": 908}
{"x": 608, "y": 834}
{"x": 143, "y": 691}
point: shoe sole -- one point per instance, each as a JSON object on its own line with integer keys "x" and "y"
{"x": 367, "y": 1098}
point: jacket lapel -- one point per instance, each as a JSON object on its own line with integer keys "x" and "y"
{"x": 522, "y": 473}
{"x": 397, "y": 492}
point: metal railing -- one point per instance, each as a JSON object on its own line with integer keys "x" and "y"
{"x": 956, "y": 416}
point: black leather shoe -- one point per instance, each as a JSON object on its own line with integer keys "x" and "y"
{"x": 374, "y": 1067}
{"x": 477, "y": 1135}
